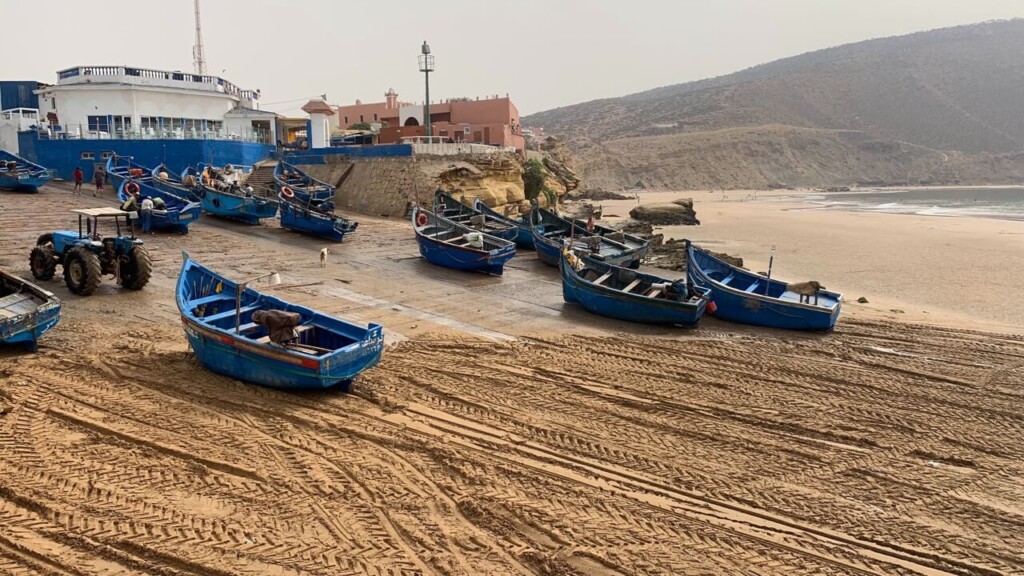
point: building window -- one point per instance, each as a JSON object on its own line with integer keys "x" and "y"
{"x": 98, "y": 124}
{"x": 374, "y": 117}
{"x": 214, "y": 125}
{"x": 105, "y": 155}
{"x": 149, "y": 123}
{"x": 346, "y": 120}
{"x": 88, "y": 156}
{"x": 361, "y": 118}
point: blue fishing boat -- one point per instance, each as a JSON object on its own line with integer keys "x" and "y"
{"x": 26, "y": 311}
{"x": 450, "y": 208}
{"x": 455, "y": 246}
{"x": 315, "y": 217}
{"x": 551, "y": 231}
{"x": 165, "y": 179}
{"x": 120, "y": 168}
{"x": 176, "y": 213}
{"x": 311, "y": 351}
{"x": 524, "y": 232}
{"x": 299, "y": 185}
{"x": 742, "y": 296}
{"x": 20, "y": 175}
{"x": 625, "y": 294}
{"x": 230, "y": 198}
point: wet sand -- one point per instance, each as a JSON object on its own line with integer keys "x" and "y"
{"x": 504, "y": 432}
{"x": 934, "y": 269}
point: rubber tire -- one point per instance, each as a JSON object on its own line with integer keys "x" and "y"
{"x": 42, "y": 262}
{"x": 44, "y": 239}
{"x": 136, "y": 272}
{"x": 89, "y": 262}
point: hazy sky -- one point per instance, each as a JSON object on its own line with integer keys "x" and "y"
{"x": 544, "y": 53}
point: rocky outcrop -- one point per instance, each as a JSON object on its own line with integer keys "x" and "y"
{"x": 676, "y": 213}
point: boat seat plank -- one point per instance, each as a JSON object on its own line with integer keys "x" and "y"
{"x": 727, "y": 279}
{"x": 12, "y": 299}
{"x": 631, "y": 285}
{"x": 603, "y": 278}
{"x": 653, "y": 293}
{"x": 753, "y": 287}
{"x": 210, "y": 300}
{"x": 245, "y": 328}
{"x": 231, "y": 313}
{"x": 298, "y": 330}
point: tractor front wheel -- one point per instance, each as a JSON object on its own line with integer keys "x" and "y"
{"x": 135, "y": 272}
{"x": 82, "y": 271}
{"x": 43, "y": 262}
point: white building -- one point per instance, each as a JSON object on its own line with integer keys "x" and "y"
{"x": 139, "y": 103}
{"x": 13, "y": 121}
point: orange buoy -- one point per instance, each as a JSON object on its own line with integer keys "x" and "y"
{"x": 131, "y": 188}
{"x": 288, "y": 192}
{"x": 421, "y": 219}
{"x": 712, "y": 308}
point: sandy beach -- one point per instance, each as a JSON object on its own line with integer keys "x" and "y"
{"x": 939, "y": 270}
{"x": 506, "y": 432}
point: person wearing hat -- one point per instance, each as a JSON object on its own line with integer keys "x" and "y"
{"x": 147, "y": 214}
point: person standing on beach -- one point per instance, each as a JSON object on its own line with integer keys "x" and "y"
{"x": 78, "y": 175}
{"x": 98, "y": 176}
{"x": 147, "y": 214}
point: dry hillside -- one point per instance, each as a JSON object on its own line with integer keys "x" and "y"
{"x": 943, "y": 106}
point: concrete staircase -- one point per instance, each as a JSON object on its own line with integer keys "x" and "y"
{"x": 262, "y": 178}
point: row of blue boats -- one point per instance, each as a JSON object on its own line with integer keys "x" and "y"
{"x": 19, "y": 175}
{"x": 598, "y": 269}
{"x": 302, "y": 203}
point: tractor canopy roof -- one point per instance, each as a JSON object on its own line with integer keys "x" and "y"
{"x": 102, "y": 212}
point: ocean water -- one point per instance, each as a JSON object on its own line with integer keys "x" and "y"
{"x": 1002, "y": 203}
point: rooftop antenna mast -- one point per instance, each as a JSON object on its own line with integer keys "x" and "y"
{"x": 198, "y": 56}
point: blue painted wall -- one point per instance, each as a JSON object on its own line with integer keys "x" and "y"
{"x": 320, "y": 155}
{"x": 64, "y": 155}
{"x": 18, "y": 94}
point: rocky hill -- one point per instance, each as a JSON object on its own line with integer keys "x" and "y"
{"x": 943, "y": 107}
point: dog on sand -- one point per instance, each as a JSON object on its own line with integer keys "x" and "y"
{"x": 323, "y": 257}
{"x": 806, "y": 290}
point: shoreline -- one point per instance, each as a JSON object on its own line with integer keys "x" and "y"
{"x": 910, "y": 267}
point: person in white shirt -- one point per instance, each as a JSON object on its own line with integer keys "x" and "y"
{"x": 147, "y": 214}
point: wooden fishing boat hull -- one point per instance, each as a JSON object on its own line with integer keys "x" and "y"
{"x": 304, "y": 187}
{"x": 300, "y": 219}
{"x": 450, "y": 208}
{"x": 237, "y": 207}
{"x": 174, "y": 184}
{"x": 179, "y": 213}
{"x": 26, "y": 311}
{"x": 549, "y": 249}
{"x": 444, "y": 253}
{"x": 631, "y": 307}
{"x": 249, "y": 357}
{"x": 746, "y": 298}
{"x": 524, "y": 234}
{"x": 28, "y": 177}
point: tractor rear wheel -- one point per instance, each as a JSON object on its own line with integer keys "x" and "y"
{"x": 82, "y": 271}
{"x": 136, "y": 271}
{"x": 43, "y": 262}
{"x": 44, "y": 239}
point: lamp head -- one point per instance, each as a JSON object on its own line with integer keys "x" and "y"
{"x": 425, "y": 49}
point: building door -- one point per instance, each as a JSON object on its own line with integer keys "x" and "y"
{"x": 487, "y": 135}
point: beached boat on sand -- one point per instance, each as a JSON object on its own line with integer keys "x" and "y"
{"x": 20, "y": 175}
{"x": 742, "y": 296}
{"x": 625, "y": 294}
{"x": 26, "y": 311}
{"x": 226, "y": 326}
{"x": 551, "y": 231}
{"x": 303, "y": 187}
{"x": 450, "y": 208}
{"x": 524, "y": 232}
{"x": 230, "y": 199}
{"x": 455, "y": 246}
{"x": 176, "y": 214}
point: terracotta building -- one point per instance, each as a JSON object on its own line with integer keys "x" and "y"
{"x": 493, "y": 121}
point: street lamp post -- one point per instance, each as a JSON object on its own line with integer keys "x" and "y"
{"x": 426, "y": 66}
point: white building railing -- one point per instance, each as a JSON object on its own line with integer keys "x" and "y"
{"x": 150, "y": 77}
{"x": 454, "y": 149}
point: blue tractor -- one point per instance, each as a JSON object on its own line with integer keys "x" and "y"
{"x": 87, "y": 256}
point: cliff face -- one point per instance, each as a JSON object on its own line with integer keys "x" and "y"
{"x": 940, "y": 107}
{"x": 388, "y": 186}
